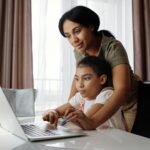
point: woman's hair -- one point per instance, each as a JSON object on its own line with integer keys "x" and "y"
{"x": 98, "y": 65}
{"x": 81, "y": 15}
{"x": 107, "y": 33}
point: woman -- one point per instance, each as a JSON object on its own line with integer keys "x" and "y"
{"x": 80, "y": 26}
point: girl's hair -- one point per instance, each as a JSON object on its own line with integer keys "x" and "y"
{"x": 81, "y": 15}
{"x": 99, "y": 66}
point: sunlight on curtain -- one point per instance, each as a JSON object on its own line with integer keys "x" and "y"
{"x": 54, "y": 63}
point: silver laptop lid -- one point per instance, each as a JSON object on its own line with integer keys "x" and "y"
{"x": 8, "y": 120}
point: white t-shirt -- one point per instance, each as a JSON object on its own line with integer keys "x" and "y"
{"x": 116, "y": 121}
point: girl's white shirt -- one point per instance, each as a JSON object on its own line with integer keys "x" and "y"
{"x": 116, "y": 121}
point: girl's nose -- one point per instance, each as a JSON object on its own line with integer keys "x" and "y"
{"x": 81, "y": 85}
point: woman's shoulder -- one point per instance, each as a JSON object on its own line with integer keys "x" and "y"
{"x": 108, "y": 40}
{"x": 113, "y": 51}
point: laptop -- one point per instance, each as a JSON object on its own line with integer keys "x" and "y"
{"x": 9, "y": 122}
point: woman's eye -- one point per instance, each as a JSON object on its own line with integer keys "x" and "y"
{"x": 77, "y": 31}
{"x": 67, "y": 36}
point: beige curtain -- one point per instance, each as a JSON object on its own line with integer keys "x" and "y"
{"x": 16, "y": 70}
{"x": 141, "y": 28}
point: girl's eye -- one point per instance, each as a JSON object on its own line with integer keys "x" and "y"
{"x": 87, "y": 78}
{"x": 76, "y": 79}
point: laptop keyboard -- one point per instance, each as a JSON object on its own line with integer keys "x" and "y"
{"x": 34, "y": 131}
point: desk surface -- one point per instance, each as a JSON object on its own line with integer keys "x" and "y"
{"x": 105, "y": 139}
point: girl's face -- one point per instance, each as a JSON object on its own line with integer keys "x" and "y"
{"x": 87, "y": 82}
{"x": 80, "y": 37}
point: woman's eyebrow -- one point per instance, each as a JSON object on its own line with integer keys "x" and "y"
{"x": 74, "y": 28}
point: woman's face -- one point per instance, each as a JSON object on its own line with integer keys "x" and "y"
{"x": 80, "y": 37}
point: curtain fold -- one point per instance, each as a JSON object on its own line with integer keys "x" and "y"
{"x": 141, "y": 34}
{"x": 16, "y": 68}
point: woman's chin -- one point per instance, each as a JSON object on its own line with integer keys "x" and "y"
{"x": 82, "y": 51}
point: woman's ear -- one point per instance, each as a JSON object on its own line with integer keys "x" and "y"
{"x": 103, "y": 79}
{"x": 92, "y": 27}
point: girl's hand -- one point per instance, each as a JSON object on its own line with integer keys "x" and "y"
{"x": 52, "y": 117}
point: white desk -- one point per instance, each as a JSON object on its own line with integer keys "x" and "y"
{"x": 106, "y": 139}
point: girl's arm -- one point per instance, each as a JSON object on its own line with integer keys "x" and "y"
{"x": 61, "y": 109}
{"x": 53, "y": 115}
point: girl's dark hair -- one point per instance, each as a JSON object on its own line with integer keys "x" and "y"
{"x": 99, "y": 66}
{"x": 81, "y": 15}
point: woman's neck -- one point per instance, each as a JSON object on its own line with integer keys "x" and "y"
{"x": 94, "y": 50}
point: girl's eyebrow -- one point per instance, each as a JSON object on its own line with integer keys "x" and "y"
{"x": 88, "y": 74}
{"x": 75, "y": 75}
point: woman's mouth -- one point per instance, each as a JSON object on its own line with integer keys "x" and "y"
{"x": 79, "y": 46}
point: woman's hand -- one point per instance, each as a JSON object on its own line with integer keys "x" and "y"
{"x": 80, "y": 119}
{"x": 68, "y": 111}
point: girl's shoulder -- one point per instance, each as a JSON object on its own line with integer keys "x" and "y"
{"x": 104, "y": 95}
{"x": 107, "y": 91}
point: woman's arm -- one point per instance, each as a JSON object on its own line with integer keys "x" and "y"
{"x": 122, "y": 85}
{"x": 84, "y": 120}
{"x": 73, "y": 90}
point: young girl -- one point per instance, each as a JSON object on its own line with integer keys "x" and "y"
{"x": 92, "y": 80}
{"x": 80, "y": 26}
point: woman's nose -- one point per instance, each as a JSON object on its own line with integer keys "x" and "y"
{"x": 74, "y": 39}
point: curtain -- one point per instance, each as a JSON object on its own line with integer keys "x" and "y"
{"x": 16, "y": 69}
{"x": 141, "y": 32}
